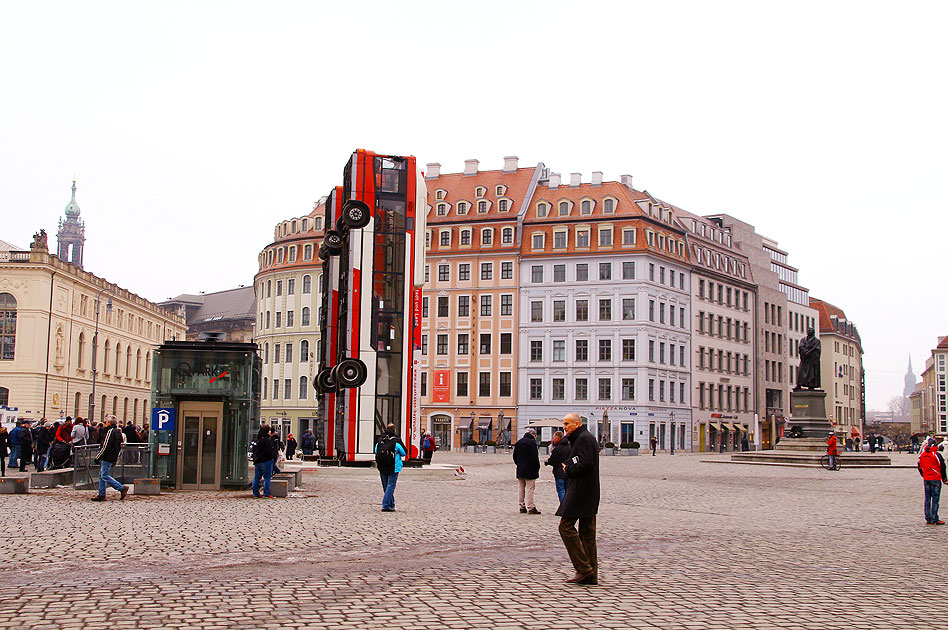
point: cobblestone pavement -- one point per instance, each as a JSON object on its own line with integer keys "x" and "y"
{"x": 682, "y": 544}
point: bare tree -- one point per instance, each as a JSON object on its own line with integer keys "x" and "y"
{"x": 898, "y": 407}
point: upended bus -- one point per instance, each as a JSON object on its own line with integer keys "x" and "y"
{"x": 370, "y": 320}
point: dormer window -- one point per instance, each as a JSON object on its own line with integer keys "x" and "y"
{"x": 305, "y": 224}
{"x": 487, "y": 236}
{"x": 543, "y": 210}
{"x": 503, "y": 205}
{"x": 293, "y": 227}
{"x": 439, "y": 195}
{"x": 442, "y": 209}
{"x": 507, "y": 235}
{"x": 537, "y": 240}
{"x": 681, "y": 249}
{"x": 564, "y": 208}
{"x": 465, "y": 237}
{"x": 650, "y": 238}
{"x": 480, "y": 191}
{"x": 482, "y": 206}
{"x": 462, "y": 207}
{"x": 608, "y": 205}
{"x": 318, "y": 223}
{"x": 499, "y": 190}
{"x": 586, "y": 207}
{"x": 445, "y": 238}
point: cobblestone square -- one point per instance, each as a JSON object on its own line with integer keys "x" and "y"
{"x": 682, "y": 544}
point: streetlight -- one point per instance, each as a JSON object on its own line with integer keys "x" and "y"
{"x": 95, "y": 346}
{"x": 672, "y": 452}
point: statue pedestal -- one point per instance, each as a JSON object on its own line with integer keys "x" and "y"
{"x": 808, "y": 408}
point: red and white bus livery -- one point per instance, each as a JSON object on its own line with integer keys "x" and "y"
{"x": 373, "y": 253}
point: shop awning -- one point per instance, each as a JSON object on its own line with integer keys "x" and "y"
{"x": 728, "y": 426}
{"x": 547, "y": 422}
{"x": 484, "y": 423}
{"x": 464, "y": 424}
{"x": 716, "y": 425}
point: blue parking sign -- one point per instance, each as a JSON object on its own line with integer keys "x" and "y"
{"x": 162, "y": 419}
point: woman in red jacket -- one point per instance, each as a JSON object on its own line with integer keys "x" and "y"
{"x": 929, "y": 467}
{"x": 831, "y": 450}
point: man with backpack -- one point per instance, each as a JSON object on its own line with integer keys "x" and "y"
{"x": 390, "y": 452}
{"x": 309, "y": 443}
{"x": 428, "y": 447}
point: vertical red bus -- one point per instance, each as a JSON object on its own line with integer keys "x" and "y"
{"x": 374, "y": 260}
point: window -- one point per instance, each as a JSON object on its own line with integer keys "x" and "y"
{"x": 582, "y": 350}
{"x": 609, "y": 206}
{"x": 559, "y": 239}
{"x": 445, "y": 238}
{"x": 465, "y": 237}
{"x": 464, "y": 306}
{"x": 486, "y": 306}
{"x": 651, "y": 389}
{"x": 279, "y": 317}
{"x": 424, "y": 345}
{"x": 582, "y": 389}
{"x": 288, "y": 358}
{"x": 502, "y": 205}
{"x": 485, "y": 343}
{"x": 276, "y": 389}
{"x": 582, "y": 272}
{"x": 661, "y": 352}
{"x": 605, "y": 237}
{"x": 442, "y": 306}
{"x": 279, "y": 288}
{"x": 505, "y": 384}
{"x": 536, "y": 311}
{"x": 628, "y": 238}
{"x": 307, "y": 284}
{"x": 582, "y": 310}
{"x": 506, "y": 343}
{"x": 536, "y": 389}
{"x": 628, "y": 389}
{"x": 305, "y": 317}
{"x": 304, "y": 391}
{"x": 507, "y": 236}
{"x": 542, "y": 210}
{"x": 8, "y": 309}
{"x": 651, "y": 272}
{"x": 487, "y": 271}
{"x": 464, "y": 271}
{"x": 661, "y": 312}
{"x": 487, "y": 236}
{"x": 559, "y": 349}
{"x": 628, "y": 308}
{"x": 463, "y": 344}
{"x": 559, "y": 310}
{"x": 536, "y": 273}
{"x": 651, "y": 310}
{"x": 424, "y": 307}
{"x": 483, "y": 386}
{"x": 537, "y": 240}
{"x": 287, "y": 389}
{"x": 442, "y": 344}
{"x": 266, "y": 353}
{"x": 559, "y": 389}
{"x": 582, "y": 238}
{"x": 462, "y": 207}
{"x": 291, "y": 286}
{"x": 605, "y": 349}
{"x": 506, "y": 304}
{"x": 681, "y": 356}
{"x": 585, "y": 207}
{"x": 442, "y": 209}
{"x": 444, "y": 273}
{"x": 628, "y": 270}
{"x": 536, "y": 350}
{"x": 268, "y": 288}
{"x": 605, "y": 271}
{"x": 564, "y": 208}
{"x": 651, "y": 351}
{"x": 506, "y": 271}
{"x": 605, "y": 389}
{"x": 289, "y": 318}
{"x": 559, "y": 273}
{"x": 427, "y": 273}
{"x": 605, "y": 310}
{"x": 482, "y": 206}
{"x": 628, "y": 349}
{"x": 424, "y": 383}
{"x": 304, "y": 350}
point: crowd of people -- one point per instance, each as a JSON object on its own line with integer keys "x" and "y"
{"x": 48, "y": 446}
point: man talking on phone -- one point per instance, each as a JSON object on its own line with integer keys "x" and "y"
{"x": 581, "y": 502}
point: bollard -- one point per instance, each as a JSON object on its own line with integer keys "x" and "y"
{"x": 278, "y": 487}
{"x": 147, "y": 486}
{"x": 15, "y": 485}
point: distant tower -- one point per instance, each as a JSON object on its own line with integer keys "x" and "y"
{"x": 909, "y": 381}
{"x": 72, "y": 233}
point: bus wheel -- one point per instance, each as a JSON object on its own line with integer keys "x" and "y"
{"x": 324, "y": 382}
{"x": 356, "y": 214}
{"x": 350, "y": 373}
{"x": 322, "y": 253}
{"x": 333, "y": 243}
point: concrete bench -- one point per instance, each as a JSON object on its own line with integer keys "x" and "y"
{"x": 292, "y": 478}
{"x": 14, "y": 485}
{"x": 52, "y": 478}
{"x": 279, "y": 487}
{"x": 147, "y": 486}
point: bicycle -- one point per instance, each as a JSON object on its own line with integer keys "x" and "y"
{"x": 825, "y": 462}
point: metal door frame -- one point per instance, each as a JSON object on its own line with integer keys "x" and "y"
{"x": 199, "y": 409}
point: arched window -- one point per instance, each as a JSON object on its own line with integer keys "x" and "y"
{"x": 307, "y": 284}
{"x": 304, "y": 351}
{"x": 125, "y": 411}
{"x": 128, "y": 361}
{"x": 138, "y": 364}
{"x": 118, "y": 359}
{"x": 305, "y": 321}
{"x": 307, "y": 252}
{"x": 148, "y": 365}
{"x": 7, "y": 326}
{"x": 264, "y": 390}
{"x": 78, "y": 402}
{"x": 105, "y": 358}
{"x": 82, "y": 352}
{"x": 135, "y": 410}
{"x": 303, "y": 391}
{"x": 115, "y": 406}
{"x": 266, "y": 355}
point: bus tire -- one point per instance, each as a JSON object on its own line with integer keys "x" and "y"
{"x": 356, "y": 214}
{"x": 324, "y": 382}
{"x": 322, "y": 253}
{"x": 350, "y": 373}
{"x": 332, "y": 241}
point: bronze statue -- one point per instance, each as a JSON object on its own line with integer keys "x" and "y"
{"x": 808, "y": 374}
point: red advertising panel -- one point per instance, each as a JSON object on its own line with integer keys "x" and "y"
{"x": 442, "y": 385}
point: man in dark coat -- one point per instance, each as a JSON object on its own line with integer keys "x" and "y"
{"x": 559, "y": 455}
{"x": 581, "y": 502}
{"x": 106, "y": 457}
{"x": 527, "y": 458}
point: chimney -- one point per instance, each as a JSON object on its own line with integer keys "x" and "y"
{"x": 433, "y": 170}
{"x": 626, "y": 181}
{"x": 554, "y": 180}
{"x": 575, "y": 179}
{"x": 510, "y": 163}
{"x": 597, "y": 178}
{"x": 470, "y": 167}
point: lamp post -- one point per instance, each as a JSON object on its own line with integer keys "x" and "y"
{"x": 95, "y": 347}
{"x": 672, "y": 422}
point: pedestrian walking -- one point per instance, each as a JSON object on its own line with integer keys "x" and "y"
{"x": 428, "y": 446}
{"x": 308, "y": 443}
{"x": 872, "y": 443}
{"x": 277, "y": 447}
{"x": 581, "y": 503}
{"x": 527, "y": 458}
{"x": 291, "y": 445}
{"x": 41, "y": 445}
{"x": 26, "y": 446}
{"x": 106, "y": 457}
{"x": 390, "y": 453}
{"x": 558, "y": 455}
{"x": 263, "y": 456}
{"x": 653, "y": 444}
{"x": 80, "y": 433}
{"x": 932, "y": 470}
{"x": 745, "y": 445}
{"x": 4, "y": 450}
{"x": 14, "y": 446}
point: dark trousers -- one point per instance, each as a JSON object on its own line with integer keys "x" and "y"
{"x": 581, "y": 545}
{"x": 932, "y": 496}
{"x": 427, "y": 455}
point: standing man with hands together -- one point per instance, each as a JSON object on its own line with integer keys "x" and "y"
{"x": 581, "y": 502}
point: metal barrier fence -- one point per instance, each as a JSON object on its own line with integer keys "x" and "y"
{"x": 132, "y": 463}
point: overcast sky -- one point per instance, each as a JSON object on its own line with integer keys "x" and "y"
{"x": 194, "y": 127}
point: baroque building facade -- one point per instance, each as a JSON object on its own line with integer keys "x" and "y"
{"x": 841, "y": 372}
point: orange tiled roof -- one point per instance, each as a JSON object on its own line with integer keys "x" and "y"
{"x": 826, "y": 311}
{"x": 458, "y": 187}
{"x": 943, "y": 345}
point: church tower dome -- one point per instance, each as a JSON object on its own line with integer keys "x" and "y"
{"x": 72, "y": 233}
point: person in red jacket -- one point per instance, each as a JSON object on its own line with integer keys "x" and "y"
{"x": 831, "y": 449}
{"x": 930, "y": 468}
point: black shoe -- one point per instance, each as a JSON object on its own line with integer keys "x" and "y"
{"x": 533, "y": 510}
{"x": 582, "y": 578}
{"x": 523, "y": 510}
{"x": 98, "y": 497}
{"x": 388, "y": 509}
{"x": 123, "y": 491}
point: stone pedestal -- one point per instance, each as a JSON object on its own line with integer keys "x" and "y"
{"x": 147, "y": 486}
{"x": 808, "y": 409}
